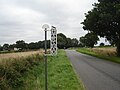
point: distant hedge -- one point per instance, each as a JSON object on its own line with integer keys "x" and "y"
{"x": 11, "y": 73}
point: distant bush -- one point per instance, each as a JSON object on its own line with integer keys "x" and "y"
{"x": 11, "y": 73}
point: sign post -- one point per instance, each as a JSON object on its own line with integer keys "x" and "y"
{"x": 45, "y": 27}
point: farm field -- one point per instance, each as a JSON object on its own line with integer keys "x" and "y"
{"x": 107, "y": 53}
{"x": 19, "y": 54}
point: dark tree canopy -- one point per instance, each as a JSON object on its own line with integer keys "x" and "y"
{"x": 74, "y": 42}
{"x": 5, "y": 46}
{"x": 61, "y": 40}
{"x": 89, "y": 40}
{"x": 21, "y": 44}
{"x": 104, "y": 20}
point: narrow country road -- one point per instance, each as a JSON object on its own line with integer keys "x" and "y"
{"x": 96, "y": 74}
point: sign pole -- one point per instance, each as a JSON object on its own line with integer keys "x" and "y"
{"x": 46, "y": 59}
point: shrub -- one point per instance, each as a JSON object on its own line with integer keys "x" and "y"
{"x": 11, "y": 73}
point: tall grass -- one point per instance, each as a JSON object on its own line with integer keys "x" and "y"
{"x": 12, "y": 70}
{"x": 103, "y": 53}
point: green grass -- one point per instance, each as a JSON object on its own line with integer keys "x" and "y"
{"x": 61, "y": 75}
{"x": 90, "y": 52}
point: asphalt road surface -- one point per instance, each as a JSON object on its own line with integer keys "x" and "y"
{"x": 96, "y": 74}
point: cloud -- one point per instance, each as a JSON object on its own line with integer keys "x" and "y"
{"x": 23, "y": 19}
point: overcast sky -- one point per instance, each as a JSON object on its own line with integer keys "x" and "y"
{"x": 23, "y": 19}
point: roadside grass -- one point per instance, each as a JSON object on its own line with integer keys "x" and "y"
{"x": 100, "y": 54}
{"x": 61, "y": 75}
{"x": 12, "y": 71}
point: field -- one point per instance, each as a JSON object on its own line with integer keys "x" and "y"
{"x": 19, "y": 54}
{"x": 8, "y": 57}
{"x": 25, "y": 71}
{"x": 107, "y": 53}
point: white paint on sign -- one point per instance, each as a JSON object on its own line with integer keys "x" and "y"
{"x": 53, "y": 40}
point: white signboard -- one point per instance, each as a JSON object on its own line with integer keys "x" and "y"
{"x": 53, "y": 41}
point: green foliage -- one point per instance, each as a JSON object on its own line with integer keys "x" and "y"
{"x": 5, "y": 46}
{"x": 61, "y": 75}
{"x": 104, "y": 20}
{"x": 11, "y": 73}
{"x": 89, "y": 40}
{"x": 61, "y": 40}
{"x": 21, "y": 44}
{"x": 64, "y": 42}
{"x": 74, "y": 42}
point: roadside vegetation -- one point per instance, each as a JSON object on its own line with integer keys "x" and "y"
{"x": 107, "y": 53}
{"x": 27, "y": 73}
{"x": 12, "y": 70}
{"x": 61, "y": 75}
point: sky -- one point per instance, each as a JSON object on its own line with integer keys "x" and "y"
{"x": 23, "y": 19}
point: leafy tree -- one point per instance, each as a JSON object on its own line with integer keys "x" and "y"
{"x": 74, "y": 42}
{"x": 61, "y": 41}
{"x": 89, "y": 40}
{"x": 12, "y": 46}
{"x": 32, "y": 45}
{"x": 104, "y": 20}
{"x": 68, "y": 43}
{"x": 1, "y": 48}
{"x": 21, "y": 44}
{"x": 83, "y": 41}
{"x": 5, "y": 46}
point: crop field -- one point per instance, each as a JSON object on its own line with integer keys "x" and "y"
{"x": 111, "y": 51}
{"x": 8, "y": 57}
{"x": 19, "y": 54}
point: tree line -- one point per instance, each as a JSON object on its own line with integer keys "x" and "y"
{"x": 63, "y": 42}
{"x": 21, "y": 45}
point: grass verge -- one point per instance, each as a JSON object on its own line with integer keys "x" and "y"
{"x": 61, "y": 75}
{"x": 92, "y": 53}
{"x": 13, "y": 70}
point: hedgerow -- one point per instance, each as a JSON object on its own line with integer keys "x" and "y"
{"x": 11, "y": 73}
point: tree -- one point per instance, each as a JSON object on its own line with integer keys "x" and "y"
{"x": 5, "y": 46}
{"x": 21, "y": 44}
{"x": 1, "y": 48}
{"x": 82, "y": 41}
{"x": 68, "y": 43}
{"x": 12, "y": 46}
{"x": 74, "y": 42}
{"x": 32, "y": 45}
{"x": 89, "y": 40}
{"x": 61, "y": 41}
{"x": 104, "y": 20}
